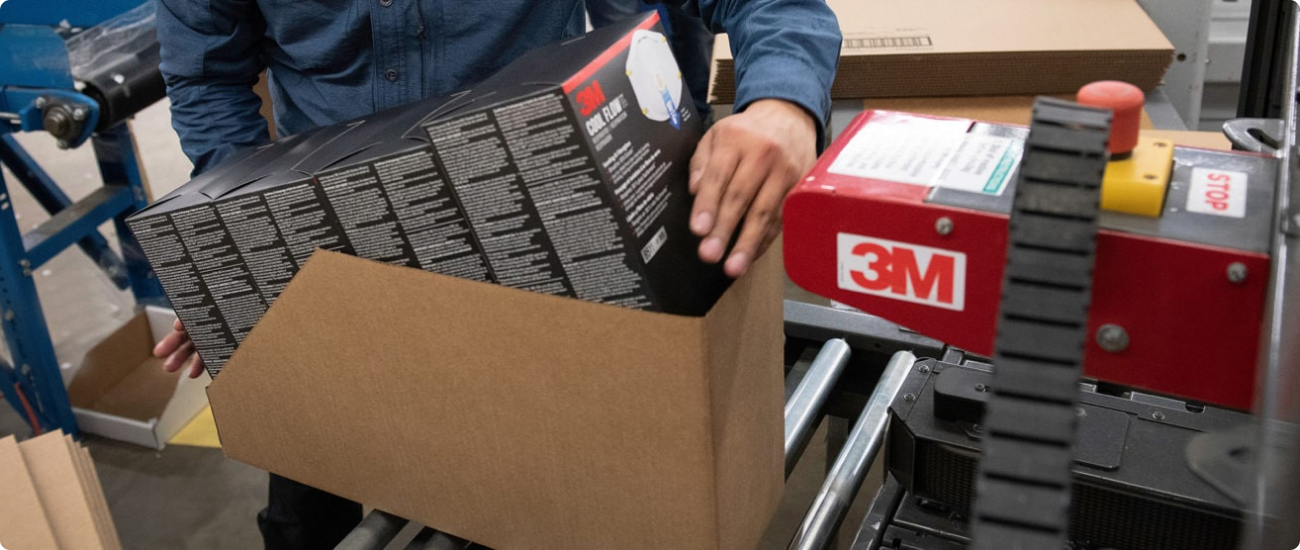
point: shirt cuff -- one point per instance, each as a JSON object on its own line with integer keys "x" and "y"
{"x": 787, "y": 78}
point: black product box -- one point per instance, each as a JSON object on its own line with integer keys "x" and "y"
{"x": 565, "y": 173}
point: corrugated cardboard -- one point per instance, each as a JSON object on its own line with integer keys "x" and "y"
{"x": 94, "y": 494}
{"x": 121, "y": 392}
{"x": 517, "y": 419}
{"x": 23, "y": 523}
{"x": 1000, "y": 109}
{"x": 57, "y": 479}
{"x": 50, "y": 497}
{"x": 991, "y": 47}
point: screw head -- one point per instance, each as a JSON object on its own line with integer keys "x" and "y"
{"x": 1112, "y": 338}
{"x": 40, "y": 103}
{"x": 79, "y": 114}
{"x": 1157, "y": 415}
{"x": 1081, "y": 412}
{"x": 981, "y": 388}
{"x": 1237, "y": 272}
{"x": 925, "y": 369}
{"x": 63, "y": 144}
{"x": 943, "y": 225}
{"x": 908, "y": 398}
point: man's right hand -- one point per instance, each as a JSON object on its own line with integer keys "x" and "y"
{"x": 179, "y": 351}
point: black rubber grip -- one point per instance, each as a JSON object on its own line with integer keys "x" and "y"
{"x": 1022, "y": 488}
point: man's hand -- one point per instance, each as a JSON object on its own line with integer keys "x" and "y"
{"x": 179, "y": 351}
{"x": 743, "y": 168}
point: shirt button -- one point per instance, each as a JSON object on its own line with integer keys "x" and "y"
{"x": 385, "y": 3}
{"x": 391, "y": 75}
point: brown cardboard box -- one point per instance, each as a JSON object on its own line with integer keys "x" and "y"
{"x": 121, "y": 392}
{"x": 991, "y": 47}
{"x": 517, "y": 419}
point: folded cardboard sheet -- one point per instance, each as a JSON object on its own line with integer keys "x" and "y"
{"x": 990, "y": 47}
{"x": 52, "y": 497}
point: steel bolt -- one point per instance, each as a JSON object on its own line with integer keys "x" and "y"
{"x": 908, "y": 398}
{"x": 63, "y": 144}
{"x": 1112, "y": 338}
{"x": 79, "y": 114}
{"x": 1237, "y": 272}
{"x": 981, "y": 388}
{"x": 1082, "y": 412}
{"x": 925, "y": 369}
{"x": 943, "y": 225}
{"x": 1157, "y": 415}
{"x": 40, "y": 103}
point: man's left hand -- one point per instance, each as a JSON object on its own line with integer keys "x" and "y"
{"x": 743, "y": 169}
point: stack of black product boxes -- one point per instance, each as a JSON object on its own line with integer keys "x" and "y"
{"x": 565, "y": 173}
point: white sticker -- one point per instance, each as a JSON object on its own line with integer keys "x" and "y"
{"x": 983, "y": 164}
{"x": 1217, "y": 192}
{"x": 902, "y": 271}
{"x": 904, "y": 150}
{"x": 656, "y": 242}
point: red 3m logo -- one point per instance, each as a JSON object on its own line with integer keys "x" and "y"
{"x": 902, "y": 271}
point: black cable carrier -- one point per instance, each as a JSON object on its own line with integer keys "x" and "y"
{"x": 1022, "y": 487}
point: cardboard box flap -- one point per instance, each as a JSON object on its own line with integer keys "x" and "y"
{"x": 23, "y": 523}
{"x": 503, "y": 416}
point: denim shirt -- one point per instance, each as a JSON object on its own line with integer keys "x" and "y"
{"x": 336, "y": 60}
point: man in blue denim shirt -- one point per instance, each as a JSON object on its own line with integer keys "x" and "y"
{"x": 336, "y": 60}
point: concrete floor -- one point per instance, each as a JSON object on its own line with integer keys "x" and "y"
{"x": 189, "y": 497}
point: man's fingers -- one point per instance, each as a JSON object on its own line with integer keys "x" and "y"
{"x": 177, "y": 326}
{"x": 700, "y": 160}
{"x": 196, "y": 366}
{"x": 713, "y": 181}
{"x": 178, "y": 358}
{"x": 740, "y": 192}
{"x": 170, "y": 343}
{"x": 757, "y": 232}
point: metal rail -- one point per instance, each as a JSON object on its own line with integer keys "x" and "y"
{"x": 846, "y": 476}
{"x": 804, "y": 408}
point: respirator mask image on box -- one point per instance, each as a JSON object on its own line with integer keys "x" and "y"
{"x": 655, "y": 78}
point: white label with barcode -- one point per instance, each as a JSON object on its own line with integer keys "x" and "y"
{"x": 652, "y": 247}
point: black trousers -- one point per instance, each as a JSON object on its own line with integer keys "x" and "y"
{"x": 298, "y": 517}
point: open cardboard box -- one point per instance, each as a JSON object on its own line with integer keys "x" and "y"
{"x": 516, "y": 419}
{"x": 121, "y": 392}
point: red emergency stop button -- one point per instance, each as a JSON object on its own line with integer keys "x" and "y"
{"x": 1125, "y": 101}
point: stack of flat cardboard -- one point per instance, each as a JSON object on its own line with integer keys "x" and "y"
{"x": 51, "y": 497}
{"x": 993, "y": 47}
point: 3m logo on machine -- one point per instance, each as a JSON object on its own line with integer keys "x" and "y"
{"x": 1217, "y": 192}
{"x": 902, "y": 271}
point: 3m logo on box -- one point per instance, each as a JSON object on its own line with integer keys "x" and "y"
{"x": 902, "y": 271}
